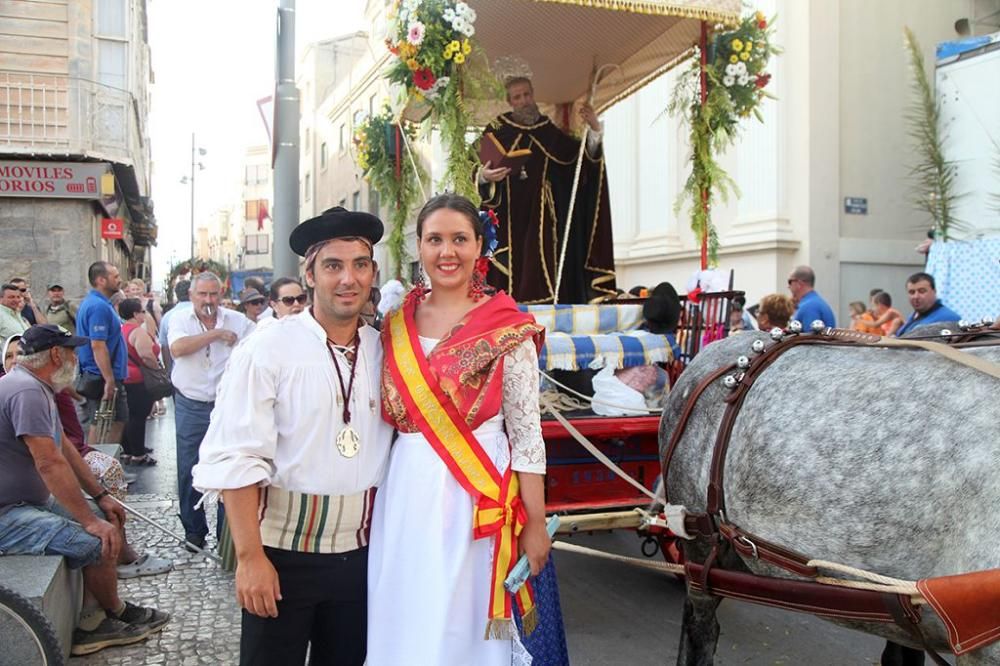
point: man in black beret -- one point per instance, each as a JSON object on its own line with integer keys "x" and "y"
{"x": 297, "y": 446}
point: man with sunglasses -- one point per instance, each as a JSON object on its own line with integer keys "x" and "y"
{"x": 810, "y": 306}
{"x": 31, "y": 312}
{"x": 252, "y": 304}
{"x": 11, "y": 320}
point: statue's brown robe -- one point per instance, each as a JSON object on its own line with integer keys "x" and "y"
{"x": 532, "y": 212}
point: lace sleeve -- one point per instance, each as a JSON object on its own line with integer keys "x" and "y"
{"x": 520, "y": 409}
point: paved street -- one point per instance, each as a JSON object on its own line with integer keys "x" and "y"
{"x": 615, "y": 613}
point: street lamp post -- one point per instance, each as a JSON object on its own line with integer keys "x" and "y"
{"x": 185, "y": 180}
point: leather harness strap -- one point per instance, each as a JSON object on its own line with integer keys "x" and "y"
{"x": 714, "y": 526}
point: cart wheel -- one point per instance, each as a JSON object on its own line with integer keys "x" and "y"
{"x": 28, "y": 638}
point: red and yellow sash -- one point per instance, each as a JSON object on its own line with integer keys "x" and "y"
{"x": 498, "y": 511}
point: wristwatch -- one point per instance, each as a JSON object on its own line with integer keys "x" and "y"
{"x": 100, "y": 495}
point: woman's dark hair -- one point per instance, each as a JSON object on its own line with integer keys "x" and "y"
{"x": 278, "y": 284}
{"x": 455, "y": 202}
{"x": 129, "y": 308}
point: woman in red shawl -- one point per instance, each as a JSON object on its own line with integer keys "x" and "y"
{"x": 464, "y": 493}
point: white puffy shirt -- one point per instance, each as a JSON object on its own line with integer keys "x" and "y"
{"x": 277, "y": 416}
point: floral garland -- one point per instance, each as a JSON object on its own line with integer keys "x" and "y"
{"x": 376, "y": 152}
{"x": 735, "y": 72}
{"x": 433, "y": 44}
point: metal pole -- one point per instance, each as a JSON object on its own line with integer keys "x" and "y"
{"x": 192, "y": 195}
{"x": 703, "y": 95}
{"x": 286, "y": 144}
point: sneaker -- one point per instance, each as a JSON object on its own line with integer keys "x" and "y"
{"x": 149, "y": 619}
{"x": 194, "y": 540}
{"x": 109, "y": 632}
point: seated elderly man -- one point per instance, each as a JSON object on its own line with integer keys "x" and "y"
{"x": 42, "y": 510}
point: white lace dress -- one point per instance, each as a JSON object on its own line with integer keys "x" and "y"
{"x": 428, "y": 580}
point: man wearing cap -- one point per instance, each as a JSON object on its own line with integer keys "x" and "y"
{"x": 253, "y": 303}
{"x": 59, "y": 311}
{"x": 42, "y": 510}
{"x": 201, "y": 341}
{"x": 297, "y": 447}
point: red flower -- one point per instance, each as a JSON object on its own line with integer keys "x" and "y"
{"x": 482, "y": 266}
{"x": 394, "y": 50}
{"x": 424, "y": 78}
{"x": 762, "y": 80}
{"x": 762, "y": 24}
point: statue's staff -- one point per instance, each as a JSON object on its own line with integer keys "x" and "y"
{"x": 576, "y": 178}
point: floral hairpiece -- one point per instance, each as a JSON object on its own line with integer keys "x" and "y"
{"x": 490, "y": 242}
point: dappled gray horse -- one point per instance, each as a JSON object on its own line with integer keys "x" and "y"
{"x": 883, "y": 459}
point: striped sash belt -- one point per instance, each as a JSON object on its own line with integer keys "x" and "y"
{"x": 315, "y": 523}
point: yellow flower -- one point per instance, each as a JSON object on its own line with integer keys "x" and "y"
{"x": 455, "y": 46}
{"x": 418, "y": 96}
{"x": 448, "y": 53}
{"x": 412, "y": 64}
{"x": 737, "y": 45}
{"x": 749, "y": 46}
{"x": 744, "y": 56}
{"x": 466, "y": 47}
{"x": 759, "y": 16}
{"x": 459, "y": 58}
{"x": 734, "y": 59}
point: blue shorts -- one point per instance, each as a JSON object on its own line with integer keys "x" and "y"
{"x": 28, "y": 529}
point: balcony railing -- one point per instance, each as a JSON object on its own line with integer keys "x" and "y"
{"x": 58, "y": 115}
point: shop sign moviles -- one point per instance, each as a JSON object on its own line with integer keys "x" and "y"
{"x": 56, "y": 180}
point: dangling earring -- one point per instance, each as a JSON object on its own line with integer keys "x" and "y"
{"x": 419, "y": 291}
{"x": 478, "y": 282}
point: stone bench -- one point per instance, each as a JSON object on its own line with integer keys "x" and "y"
{"x": 47, "y": 582}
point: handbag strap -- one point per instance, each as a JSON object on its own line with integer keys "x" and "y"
{"x": 128, "y": 348}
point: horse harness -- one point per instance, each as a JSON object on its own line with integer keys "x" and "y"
{"x": 714, "y": 526}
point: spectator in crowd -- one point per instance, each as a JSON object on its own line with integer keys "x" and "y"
{"x": 59, "y": 311}
{"x": 42, "y": 509}
{"x": 256, "y": 283}
{"x": 143, "y": 351}
{"x": 12, "y": 322}
{"x": 201, "y": 340}
{"x": 862, "y": 319}
{"x": 810, "y": 306}
{"x": 638, "y": 291}
{"x": 887, "y": 318}
{"x": 747, "y": 321}
{"x": 30, "y": 310}
{"x": 287, "y": 297}
{"x": 104, "y": 361}
{"x": 106, "y": 470}
{"x": 136, "y": 288}
{"x": 252, "y": 304}
{"x": 927, "y": 307}
{"x": 182, "y": 290}
{"x": 775, "y": 311}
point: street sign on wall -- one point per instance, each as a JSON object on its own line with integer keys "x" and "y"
{"x": 112, "y": 227}
{"x": 56, "y": 180}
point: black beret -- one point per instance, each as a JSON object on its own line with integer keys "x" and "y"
{"x": 336, "y": 222}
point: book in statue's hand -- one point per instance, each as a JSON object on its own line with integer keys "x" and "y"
{"x": 492, "y": 151}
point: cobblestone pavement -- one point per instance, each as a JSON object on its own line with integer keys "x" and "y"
{"x": 614, "y": 613}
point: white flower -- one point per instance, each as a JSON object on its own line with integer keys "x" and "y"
{"x": 415, "y": 33}
{"x": 411, "y": 5}
{"x": 465, "y": 11}
{"x": 743, "y": 79}
{"x": 741, "y": 68}
{"x": 728, "y": 80}
{"x": 449, "y": 16}
{"x": 730, "y": 70}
